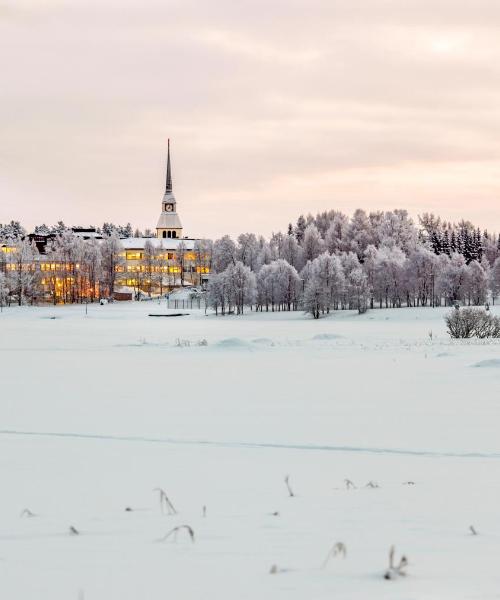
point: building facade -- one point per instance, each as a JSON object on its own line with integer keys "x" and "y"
{"x": 140, "y": 265}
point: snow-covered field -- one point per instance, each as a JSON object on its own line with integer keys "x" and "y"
{"x": 98, "y": 410}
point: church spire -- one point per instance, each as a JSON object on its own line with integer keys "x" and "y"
{"x": 168, "y": 187}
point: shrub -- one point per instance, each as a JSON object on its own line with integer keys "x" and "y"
{"x": 472, "y": 322}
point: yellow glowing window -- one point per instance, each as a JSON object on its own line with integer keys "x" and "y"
{"x": 134, "y": 255}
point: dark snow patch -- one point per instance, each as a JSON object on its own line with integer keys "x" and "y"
{"x": 491, "y": 362}
{"x": 444, "y": 354}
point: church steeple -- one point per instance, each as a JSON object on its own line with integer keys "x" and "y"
{"x": 168, "y": 187}
{"x": 169, "y": 224}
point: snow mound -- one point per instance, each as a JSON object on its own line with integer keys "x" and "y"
{"x": 491, "y": 362}
{"x": 326, "y": 336}
{"x": 233, "y": 342}
{"x": 263, "y": 341}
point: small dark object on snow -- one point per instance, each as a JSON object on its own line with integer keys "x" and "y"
{"x": 176, "y": 530}
{"x": 27, "y": 513}
{"x": 473, "y": 530}
{"x": 170, "y": 315}
{"x": 165, "y": 502}
{"x": 338, "y": 549}
{"x": 395, "y": 571}
{"x": 409, "y": 483}
{"x": 128, "y": 509}
{"x": 73, "y": 531}
{"x": 287, "y": 482}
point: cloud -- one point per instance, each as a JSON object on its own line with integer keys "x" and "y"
{"x": 274, "y": 109}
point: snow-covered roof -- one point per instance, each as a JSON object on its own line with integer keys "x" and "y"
{"x": 169, "y": 220}
{"x": 87, "y": 234}
{"x": 162, "y": 243}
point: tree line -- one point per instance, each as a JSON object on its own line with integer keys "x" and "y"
{"x": 331, "y": 262}
{"x": 322, "y": 263}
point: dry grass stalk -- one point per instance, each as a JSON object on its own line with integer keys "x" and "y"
{"x": 165, "y": 502}
{"x": 27, "y": 513}
{"x": 473, "y": 530}
{"x": 372, "y": 484}
{"x": 338, "y": 549}
{"x": 396, "y": 571}
{"x": 349, "y": 484}
{"x": 288, "y": 487}
{"x": 173, "y": 532}
{"x": 73, "y": 530}
{"x": 204, "y": 511}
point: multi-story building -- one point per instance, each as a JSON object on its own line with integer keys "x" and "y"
{"x": 142, "y": 264}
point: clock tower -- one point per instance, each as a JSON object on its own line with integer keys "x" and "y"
{"x": 169, "y": 225}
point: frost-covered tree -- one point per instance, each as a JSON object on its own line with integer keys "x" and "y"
{"x": 217, "y": 293}
{"x": 359, "y": 233}
{"x": 91, "y": 267}
{"x": 292, "y": 252}
{"x": 389, "y": 274}
{"x": 4, "y": 290}
{"x": 312, "y": 244}
{"x": 242, "y": 286}
{"x": 12, "y": 231}
{"x": 476, "y": 283}
{"x": 336, "y": 234}
{"x": 494, "y": 279}
{"x": 315, "y": 298}
{"x": 248, "y": 250}
{"x": 233, "y": 288}
{"x": 22, "y": 276}
{"x": 327, "y": 270}
{"x": 278, "y": 286}
{"x": 111, "y": 260}
{"x": 203, "y": 250}
{"x": 452, "y": 278}
{"x": 224, "y": 254}
{"x": 421, "y": 270}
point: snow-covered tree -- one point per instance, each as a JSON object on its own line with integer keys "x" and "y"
{"x": 248, "y": 250}
{"x": 224, "y": 254}
{"x": 452, "y": 278}
{"x": 278, "y": 286}
{"x": 494, "y": 279}
{"x": 22, "y": 276}
{"x": 111, "y": 260}
{"x": 312, "y": 244}
{"x": 242, "y": 286}
{"x": 4, "y": 290}
{"x": 476, "y": 283}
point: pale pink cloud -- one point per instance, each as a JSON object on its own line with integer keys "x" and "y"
{"x": 274, "y": 108}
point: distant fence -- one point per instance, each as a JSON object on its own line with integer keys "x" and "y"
{"x": 198, "y": 303}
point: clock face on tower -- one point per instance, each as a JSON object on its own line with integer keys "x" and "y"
{"x": 169, "y": 207}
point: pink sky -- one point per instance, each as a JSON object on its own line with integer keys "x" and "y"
{"x": 274, "y": 108}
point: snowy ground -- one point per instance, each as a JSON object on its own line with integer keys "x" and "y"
{"x": 98, "y": 410}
